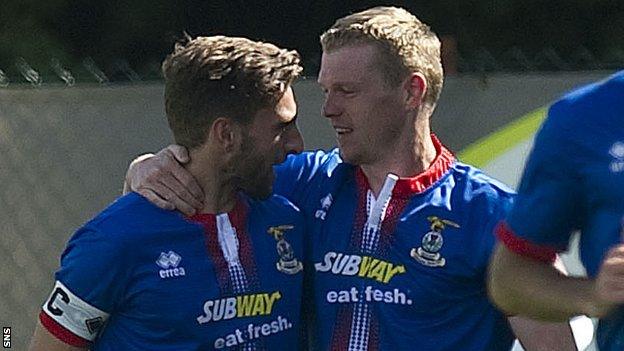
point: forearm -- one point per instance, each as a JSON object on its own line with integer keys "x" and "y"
{"x": 519, "y": 285}
{"x": 538, "y": 335}
{"x": 43, "y": 340}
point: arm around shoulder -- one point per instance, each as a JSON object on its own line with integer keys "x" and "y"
{"x": 163, "y": 180}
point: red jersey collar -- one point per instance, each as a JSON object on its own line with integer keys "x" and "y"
{"x": 413, "y": 185}
{"x": 237, "y": 215}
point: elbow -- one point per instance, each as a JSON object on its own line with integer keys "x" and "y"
{"x": 500, "y": 296}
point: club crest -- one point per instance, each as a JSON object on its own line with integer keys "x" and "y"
{"x": 287, "y": 263}
{"x": 428, "y": 253}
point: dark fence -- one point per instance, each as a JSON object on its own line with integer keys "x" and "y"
{"x": 479, "y": 60}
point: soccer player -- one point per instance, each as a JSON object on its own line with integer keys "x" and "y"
{"x": 573, "y": 180}
{"x": 141, "y": 278}
{"x": 401, "y": 231}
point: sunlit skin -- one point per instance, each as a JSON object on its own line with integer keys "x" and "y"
{"x": 238, "y": 157}
{"x": 381, "y": 128}
{"x": 271, "y": 137}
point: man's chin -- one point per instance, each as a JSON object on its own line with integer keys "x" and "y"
{"x": 349, "y": 158}
{"x": 260, "y": 194}
{"x": 260, "y": 197}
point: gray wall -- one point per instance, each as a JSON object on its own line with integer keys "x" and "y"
{"x": 472, "y": 107}
{"x": 64, "y": 152}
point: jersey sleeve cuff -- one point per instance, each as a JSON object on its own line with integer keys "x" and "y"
{"x": 60, "y": 332}
{"x": 522, "y": 246}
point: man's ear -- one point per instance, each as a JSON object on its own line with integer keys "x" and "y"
{"x": 416, "y": 86}
{"x": 226, "y": 134}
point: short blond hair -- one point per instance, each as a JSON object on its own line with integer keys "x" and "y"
{"x": 219, "y": 76}
{"x": 406, "y": 44}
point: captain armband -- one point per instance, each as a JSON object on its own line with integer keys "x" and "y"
{"x": 71, "y": 319}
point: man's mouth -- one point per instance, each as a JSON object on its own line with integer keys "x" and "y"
{"x": 342, "y": 130}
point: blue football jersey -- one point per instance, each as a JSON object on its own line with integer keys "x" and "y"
{"x": 140, "y": 278}
{"x": 405, "y": 270}
{"x": 574, "y": 180}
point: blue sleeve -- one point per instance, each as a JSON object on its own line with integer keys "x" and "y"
{"x": 295, "y": 175}
{"x": 496, "y": 207}
{"x": 548, "y": 206}
{"x": 95, "y": 267}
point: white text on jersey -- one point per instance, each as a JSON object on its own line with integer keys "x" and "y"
{"x": 239, "y": 306}
{"x": 363, "y": 266}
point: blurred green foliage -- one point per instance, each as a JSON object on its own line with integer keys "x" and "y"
{"x": 142, "y": 32}
{"x": 139, "y": 31}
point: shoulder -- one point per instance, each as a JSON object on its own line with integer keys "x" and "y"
{"x": 478, "y": 196}
{"x": 276, "y": 212}
{"x": 313, "y": 161}
{"x": 480, "y": 202}
{"x": 274, "y": 206}
{"x": 474, "y": 183}
{"x": 320, "y": 157}
{"x": 594, "y": 104}
{"x": 577, "y": 123}
{"x": 132, "y": 217}
{"x": 608, "y": 90}
{"x": 301, "y": 178}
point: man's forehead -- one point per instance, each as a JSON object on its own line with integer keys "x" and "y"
{"x": 347, "y": 64}
{"x": 286, "y": 107}
{"x": 283, "y": 112}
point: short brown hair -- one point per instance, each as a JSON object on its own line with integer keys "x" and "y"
{"x": 219, "y": 76}
{"x": 406, "y": 44}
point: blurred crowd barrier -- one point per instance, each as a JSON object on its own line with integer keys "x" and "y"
{"x": 64, "y": 152}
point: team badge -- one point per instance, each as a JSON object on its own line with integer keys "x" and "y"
{"x": 428, "y": 253}
{"x": 287, "y": 262}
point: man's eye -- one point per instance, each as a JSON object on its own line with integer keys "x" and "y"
{"x": 284, "y": 128}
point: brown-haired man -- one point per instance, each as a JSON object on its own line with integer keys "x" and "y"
{"x": 402, "y": 232}
{"x": 137, "y": 277}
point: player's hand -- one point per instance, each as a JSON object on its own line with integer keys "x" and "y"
{"x": 609, "y": 285}
{"x": 162, "y": 179}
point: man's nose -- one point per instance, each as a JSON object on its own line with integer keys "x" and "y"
{"x": 330, "y": 107}
{"x": 294, "y": 142}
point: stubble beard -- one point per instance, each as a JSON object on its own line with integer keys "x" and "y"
{"x": 254, "y": 177}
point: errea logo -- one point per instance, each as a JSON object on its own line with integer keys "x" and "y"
{"x": 169, "y": 263}
{"x": 326, "y": 202}
{"x": 617, "y": 152}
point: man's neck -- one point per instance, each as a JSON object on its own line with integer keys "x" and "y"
{"x": 415, "y": 157}
{"x": 219, "y": 191}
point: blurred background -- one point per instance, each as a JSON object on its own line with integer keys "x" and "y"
{"x": 81, "y": 95}
{"x": 127, "y": 40}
